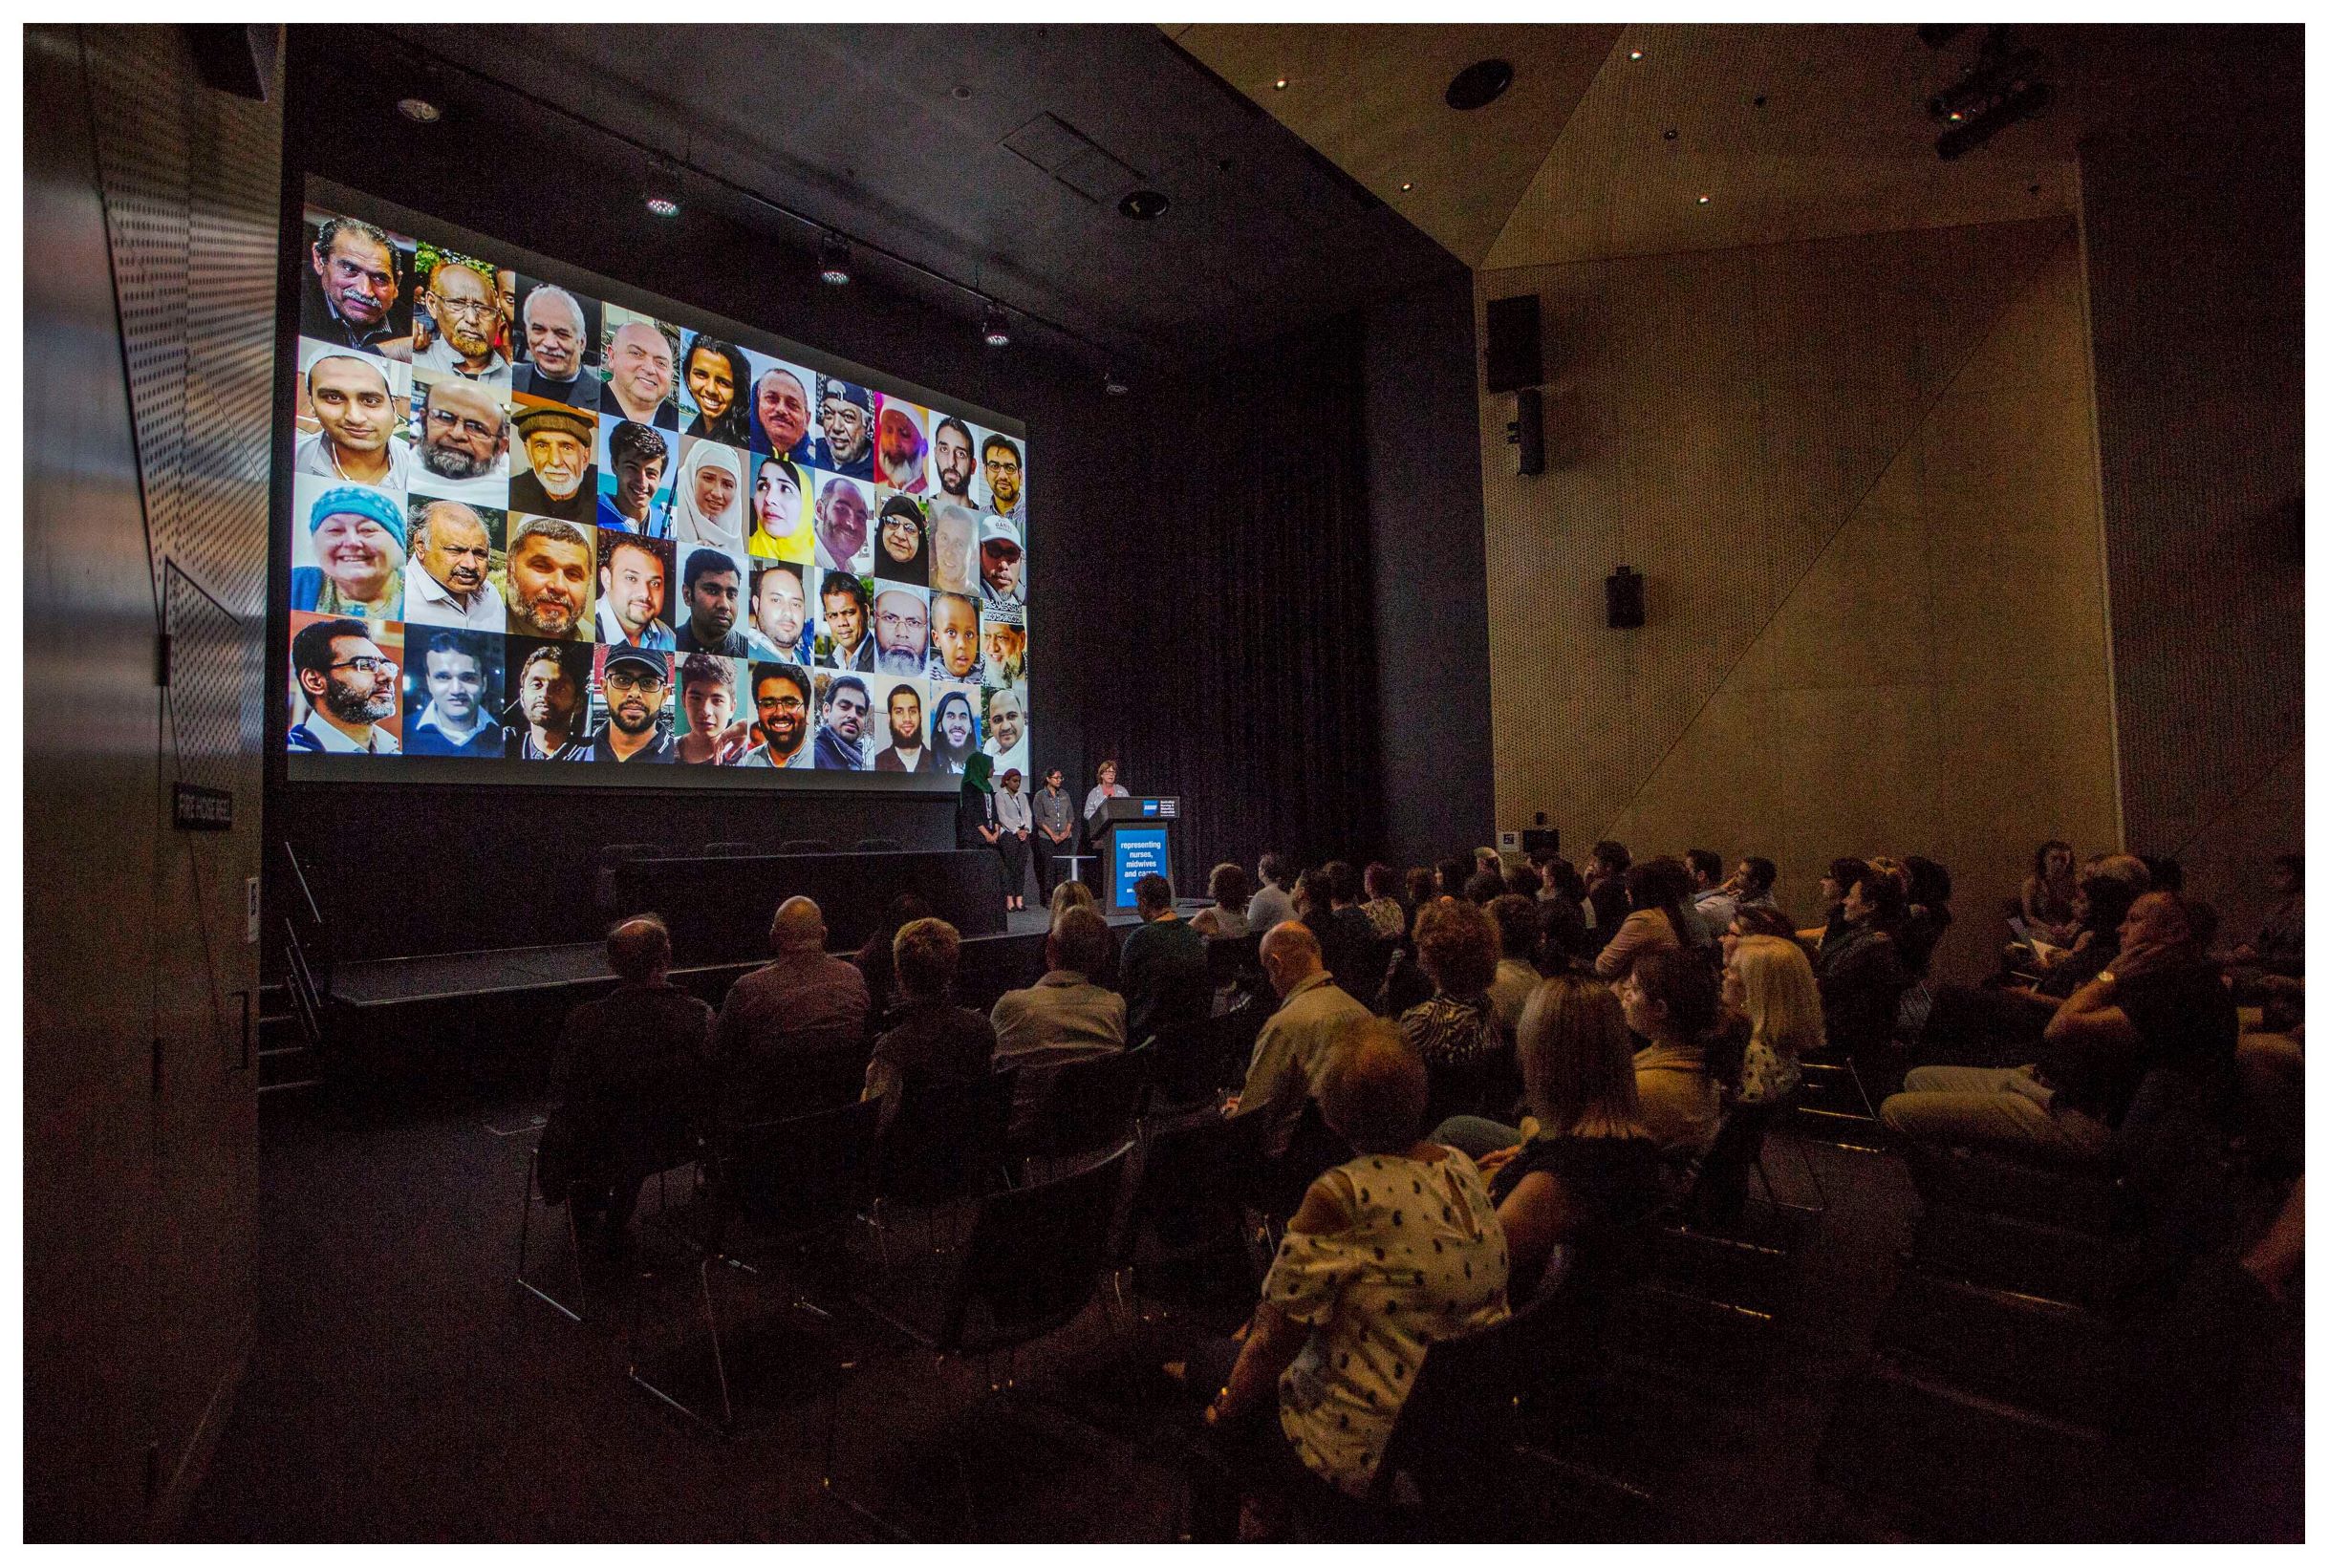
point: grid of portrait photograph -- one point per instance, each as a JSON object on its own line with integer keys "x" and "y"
{"x": 531, "y": 526}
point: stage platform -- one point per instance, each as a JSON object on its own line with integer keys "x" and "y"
{"x": 380, "y": 983}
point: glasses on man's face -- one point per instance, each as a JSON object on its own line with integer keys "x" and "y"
{"x": 894, "y": 624}
{"x": 784, "y": 704}
{"x": 468, "y": 309}
{"x": 628, "y": 681}
{"x": 367, "y": 665}
{"x": 444, "y": 419}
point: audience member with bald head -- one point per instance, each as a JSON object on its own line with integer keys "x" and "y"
{"x": 633, "y": 1067}
{"x": 804, "y": 1001}
{"x": 929, "y": 1035}
{"x": 2159, "y": 1005}
{"x": 1290, "y": 1057}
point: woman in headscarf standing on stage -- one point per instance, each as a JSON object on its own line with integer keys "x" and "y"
{"x": 976, "y": 825}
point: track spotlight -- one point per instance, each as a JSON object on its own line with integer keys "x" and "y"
{"x": 832, "y": 260}
{"x": 993, "y": 328}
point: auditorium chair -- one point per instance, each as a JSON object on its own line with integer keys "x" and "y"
{"x": 733, "y": 846}
{"x": 1183, "y": 1234}
{"x": 1035, "y": 1257}
{"x": 942, "y": 1144}
{"x": 780, "y": 1196}
{"x": 881, "y": 843}
{"x": 804, "y": 847}
{"x": 611, "y": 857}
{"x": 1087, "y": 1106}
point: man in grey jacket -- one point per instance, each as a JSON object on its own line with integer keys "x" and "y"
{"x": 1290, "y": 1057}
{"x": 1062, "y": 1017}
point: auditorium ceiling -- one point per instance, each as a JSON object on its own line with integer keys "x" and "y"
{"x": 1609, "y": 137}
{"x": 994, "y": 155}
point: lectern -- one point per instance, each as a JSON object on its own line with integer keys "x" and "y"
{"x": 1135, "y": 837}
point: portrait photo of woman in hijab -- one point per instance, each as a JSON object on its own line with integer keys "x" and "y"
{"x": 707, "y": 499}
{"x": 954, "y": 731}
{"x": 781, "y": 520}
{"x": 715, "y": 378}
{"x": 901, "y": 553}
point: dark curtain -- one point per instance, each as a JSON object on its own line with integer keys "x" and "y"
{"x": 1228, "y": 653}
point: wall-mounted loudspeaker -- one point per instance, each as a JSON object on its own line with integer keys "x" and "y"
{"x": 1528, "y": 429}
{"x": 1625, "y": 599}
{"x": 1516, "y": 354}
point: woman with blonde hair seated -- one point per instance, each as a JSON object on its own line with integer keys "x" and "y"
{"x": 1768, "y": 984}
{"x": 1588, "y": 1169}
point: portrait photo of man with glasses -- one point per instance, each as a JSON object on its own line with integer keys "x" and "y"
{"x": 343, "y": 686}
{"x": 457, "y": 328}
{"x": 634, "y": 700}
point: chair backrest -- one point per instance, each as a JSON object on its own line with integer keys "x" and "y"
{"x": 1181, "y": 1067}
{"x": 802, "y": 1073}
{"x": 1035, "y": 1258}
{"x": 878, "y": 844}
{"x": 613, "y": 855}
{"x": 1312, "y": 1150}
{"x": 804, "y": 847}
{"x": 1228, "y": 957}
{"x": 1461, "y": 1414}
{"x": 1720, "y": 1183}
{"x": 1192, "y": 1182}
{"x": 945, "y": 1139}
{"x": 1091, "y": 1104}
{"x": 804, "y": 1176}
{"x": 1375, "y": 962}
{"x": 734, "y": 847}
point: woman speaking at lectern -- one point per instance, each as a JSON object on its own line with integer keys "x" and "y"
{"x": 1107, "y": 789}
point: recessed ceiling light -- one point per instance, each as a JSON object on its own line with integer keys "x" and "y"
{"x": 1144, "y": 205}
{"x": 1407, "y": 184}
{"x": 832, "y": 260}
{"x": 1279, "y": 84}
{"x": 1480, "y": 84}
{"x": 420, "y": 111}
{"x": 993, "y": 328}
{"x": 662, "y": 207}
{"x": 961, "y": 90}
{"x": 1633, "y": 55}
{"x": 1704, "y": 199}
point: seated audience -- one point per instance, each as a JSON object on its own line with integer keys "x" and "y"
{"x": 874, "y": 958}
{"x": 1346, "y": 894}
{"x": 1231, "y": 893}
{"x": 1343, "y": 1324}
{"x": 1605, "y": 901}
{"x": 1273, "y": 902}
{"x": 1515, "y": 917}
{"x": 1671, "y": 1000}
{"x": 1711, "y": 897}
{"x": 1658, "y": 890}
{"x": 1928, "y": 918}
{"x": 1754, "y": 920}
{"x": 2160, "y": 1004}
{"x": 803, "y": 1000}
{"x": 1767, "y": 982}
{"x": 1480, "y": 886}
{"x": 1454, "y": 1033}
{"x": 1565, "y": 939}
{"x": 1383, "y": 906}
{"x": 1997, "y": 1026}
{"x": 931, "y": 1035}
{"x": 1842, "y": 873}
{"x": 1062, "y": 1017}
{"x": 1859, "y": 966}
{"x": 1524, "y": 880}
{"x": 630, "y": 1074}
{"x": 1589, "y": 1172}
{"x": 1346, "y": 936}
{"x": 1166, "y": 984}
{"x": 2047, "y": 892}
{"x": 2278, "y": 947}
{"x": 1289, "y": 1061}
{"x": 1454, "y": 872}
{"x": 1420, "y": 888}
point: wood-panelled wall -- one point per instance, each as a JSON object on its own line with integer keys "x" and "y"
{"x": 1859, "y": 476}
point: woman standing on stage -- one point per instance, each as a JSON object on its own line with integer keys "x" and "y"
{"x": 1107, "y": 789}
{"x": 1016, "y": 816}
{"x": 976, "y": 825}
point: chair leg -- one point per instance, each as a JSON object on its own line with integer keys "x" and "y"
{"x": 582, "y": 1302}
{"x": 720, "y": 1364}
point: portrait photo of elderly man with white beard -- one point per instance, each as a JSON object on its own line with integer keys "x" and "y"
{"x": 461, "y": 439}
{"x": 551, "y": 473}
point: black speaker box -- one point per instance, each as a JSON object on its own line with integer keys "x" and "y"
{"x": 1625, "y": 599}
{"x": 1515, "y": 355}
{"x": 1531, "y": 421}
{"x": 1539, "y": 840}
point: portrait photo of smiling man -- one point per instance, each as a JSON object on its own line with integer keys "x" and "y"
{"x": 641, "y": 364}
{"x": 352, "y": 291}
{"x": 556, "y": 341}
{"x": 356, "y": 406}
{"x": 551, "y": 473}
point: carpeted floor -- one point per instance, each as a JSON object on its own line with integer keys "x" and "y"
{"x": 402, "y": 1388}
